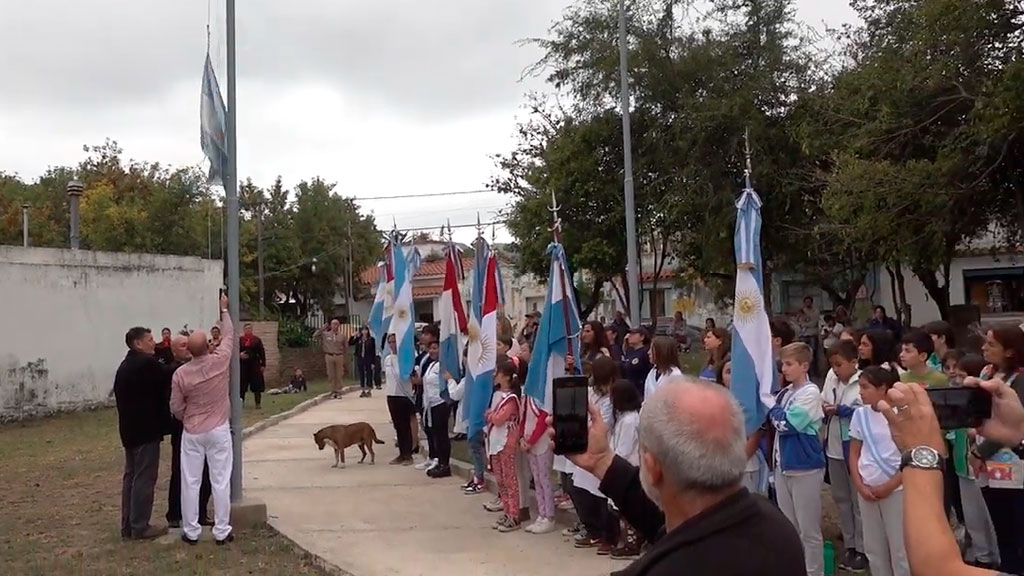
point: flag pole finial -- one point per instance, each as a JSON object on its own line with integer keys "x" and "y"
{"x": 747, "y": 170}
{"x": 556, "y": 225}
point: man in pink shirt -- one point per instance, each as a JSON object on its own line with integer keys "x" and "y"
{"x": 200, "y": 399}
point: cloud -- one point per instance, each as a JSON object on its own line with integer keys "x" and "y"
{"x": 434, "y": 59}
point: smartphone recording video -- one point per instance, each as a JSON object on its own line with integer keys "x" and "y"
{"x": 570, "y": 405}
{"x": 960, "y": 406}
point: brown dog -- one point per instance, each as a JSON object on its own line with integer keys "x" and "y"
{"x": 341, "y": 436}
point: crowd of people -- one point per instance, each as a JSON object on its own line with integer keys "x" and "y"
{"x": 834, "y": 433}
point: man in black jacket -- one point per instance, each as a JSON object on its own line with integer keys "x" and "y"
{"x": 686, "y": 497}
{"x": 141, "y": 390}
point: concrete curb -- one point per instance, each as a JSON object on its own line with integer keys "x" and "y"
{"x": 464, "y": 470}
{"x": 317, "y": 560}
{"x": 278, "y": 418}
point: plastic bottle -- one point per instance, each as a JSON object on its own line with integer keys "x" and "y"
{"x": 830, "y": 559}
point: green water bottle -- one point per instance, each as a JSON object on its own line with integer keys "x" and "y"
{"x": 830, "y": 559}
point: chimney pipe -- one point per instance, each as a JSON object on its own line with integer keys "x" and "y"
{"x": 24, "y": 225}
{"x": 74, "y": 189}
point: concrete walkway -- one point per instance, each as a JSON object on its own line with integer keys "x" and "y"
{"x": 389, "y": 520}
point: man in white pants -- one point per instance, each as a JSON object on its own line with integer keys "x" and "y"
{"x": 200, "y": 398}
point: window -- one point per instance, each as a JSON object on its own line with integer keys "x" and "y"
{"x": 995, "y": 290}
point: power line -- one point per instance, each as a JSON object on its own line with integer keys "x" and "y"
{"x": 453, "y": 226}
{"x": 430, "y": 195}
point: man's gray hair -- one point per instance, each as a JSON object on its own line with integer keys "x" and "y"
{"x": 695, "y": 456}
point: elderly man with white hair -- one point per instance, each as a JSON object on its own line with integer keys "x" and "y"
{"x": 686, "y": 497}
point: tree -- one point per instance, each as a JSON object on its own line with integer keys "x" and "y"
{"x": 915, "y": 151}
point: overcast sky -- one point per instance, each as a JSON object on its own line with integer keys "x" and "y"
{"x": 384, "y": 97}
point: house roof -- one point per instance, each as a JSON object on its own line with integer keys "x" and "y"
{"x": 426, "y": 291}
{"x": 666, "y": 274}
{"x": 432, "y": 269}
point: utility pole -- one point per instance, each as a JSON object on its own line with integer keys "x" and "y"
{"x": 24, "y": 225}
{"x": 259, "y": 253}
{"x": 632, "y": 266}
{"x": 231, "y": 207}
{"x": 348, "y": 283}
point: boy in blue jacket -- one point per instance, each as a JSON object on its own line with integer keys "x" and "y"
{"x": 799, "y": 459}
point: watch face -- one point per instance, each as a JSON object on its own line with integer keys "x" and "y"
{"x": 924, "y": 457}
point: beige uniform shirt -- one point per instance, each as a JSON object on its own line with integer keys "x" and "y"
{"x": 334, "y": 343}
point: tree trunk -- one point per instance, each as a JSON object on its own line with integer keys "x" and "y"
{"x": 939, "y": 293}
{"x": 595, "y": 293}
{"x": 895, "y": 293}
{"x": 904, "y": 313}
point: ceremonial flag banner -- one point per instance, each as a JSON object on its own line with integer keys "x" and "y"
{"x": 453, "y": 321}
{"x": 552, "y": 342}
{"x": 376, "y": 320}
{"x": 402, "y": 325}
{"x": 753, "y": 365}
{"x": 483, "y": 335}
{"x": 212, "y": 125}
{"x": 389, "y": 290}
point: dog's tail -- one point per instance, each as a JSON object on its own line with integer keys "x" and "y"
{"x": 375, "y": 439}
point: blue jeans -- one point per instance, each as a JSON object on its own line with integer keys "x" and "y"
{"x": 477, "y": 454}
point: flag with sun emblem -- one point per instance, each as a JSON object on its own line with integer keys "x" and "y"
{"x": 402, "y": 325}
{"x": 376, "y": 320}
{"x": 753, "y": 366}
{"x": 482, "y": 351}
{"x": 551, "y": 343}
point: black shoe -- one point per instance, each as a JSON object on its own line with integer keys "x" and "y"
{"x": 854, "y": 561}
{"x": 174, "y": 523}
{"x": 369, "y": 394}
{"x": 379, "y": 388}
{"x": 440, "y": 471}
{"x": 416, "y": 450}
{"x": 205, "y": 522}
{"x": 229, "y": 538}
{"x": 188, "y": 540}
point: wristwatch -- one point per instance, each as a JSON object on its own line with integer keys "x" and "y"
{"x": 922, "y": 458}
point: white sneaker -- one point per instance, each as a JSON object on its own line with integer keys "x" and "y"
{"x": 433, "y": 464}
{"x": 541, "y": 526}
{"x": 426, "y": 464}
{"x": 494, "y": 505}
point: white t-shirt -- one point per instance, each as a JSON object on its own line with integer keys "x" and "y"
{"x": 626, "y": 437}
{"x": 432, "y": 386}
{"x": 654, "y": 381}
{"x": 390, "y": 365}
{"x": 879, "y": 457}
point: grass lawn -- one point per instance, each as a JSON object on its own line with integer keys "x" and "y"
{"x": 61, "y": 498}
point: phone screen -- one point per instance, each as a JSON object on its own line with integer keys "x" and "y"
{"x": 960, "y": 407}
{"x": 570, "y": 404}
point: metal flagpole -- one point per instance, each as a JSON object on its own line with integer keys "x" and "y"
{"x": 632, "y": 266}
{"x": 231, "y": 201}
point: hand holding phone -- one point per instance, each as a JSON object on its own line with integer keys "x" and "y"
{"x": 959, "y": 407}
{"x": 571, "y": 410}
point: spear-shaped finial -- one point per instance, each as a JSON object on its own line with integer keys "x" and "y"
{"x": 494, "y": 232}
{"x": 748, "y": 170}
{"x": 556, "y": 226}
{"x": 479, "y": 226}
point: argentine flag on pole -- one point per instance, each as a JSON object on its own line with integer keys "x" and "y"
{"x": 482, "y": 350}
{"x": 212, "y": 125}
{"x": 389, "y": 292}
{"x": 376, "y": 320}
{"x": 753, "y": 366}
{"x": 556, "y": 335}
{"x": 402, "y": 325}
{"x": 453, "y": 320}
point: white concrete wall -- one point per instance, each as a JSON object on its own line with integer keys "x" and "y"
{"x": 64, "y": 315}
{"x": 923, "y": 308}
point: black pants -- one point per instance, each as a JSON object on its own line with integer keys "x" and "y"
{"x": 401, "y": 410}
{"x": 365, "y": 374}
{"x": 141, "y": 465}
{"x": 1006, "y": 507}
{"x": 376, "y": 373}
{"x": 438, "y": 441}
{"x": 174, "y": 488}
{"x": 592, "y": 511}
